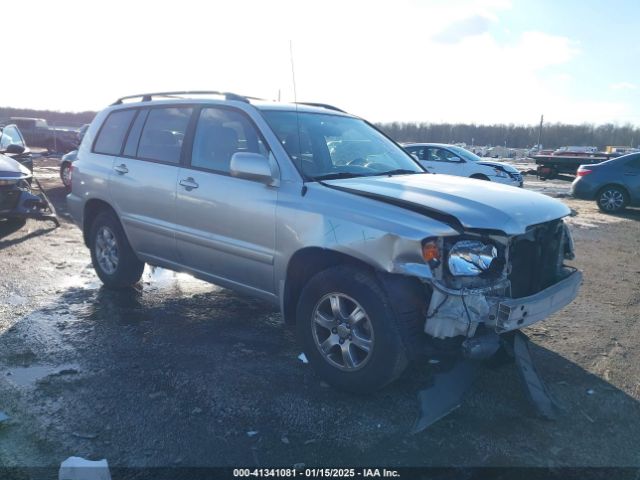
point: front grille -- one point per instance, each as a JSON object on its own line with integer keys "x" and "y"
{"x": 535, "y": 259}
{"x": 516, "y": 176}
{"x": 8, "y": 198}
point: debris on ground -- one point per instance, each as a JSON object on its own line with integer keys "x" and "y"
{"x": 444, "y": 395}
{"x": 252, "y": 433}
{"x": 4, "y": 417}
{"x": 303, "y": 358}
{"x": 78, "y": 468}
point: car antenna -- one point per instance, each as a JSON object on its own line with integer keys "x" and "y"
{"x": 295, "y": 101}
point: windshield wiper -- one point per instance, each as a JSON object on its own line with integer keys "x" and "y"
{"x": 398, "y": 171}
{"x": 336, "y": 176}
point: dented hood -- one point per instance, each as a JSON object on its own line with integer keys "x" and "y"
{"x": 475, "y": 204}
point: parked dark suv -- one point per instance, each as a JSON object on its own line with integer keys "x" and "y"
{"x": 614, "y": 184}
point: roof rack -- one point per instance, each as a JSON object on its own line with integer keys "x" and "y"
{"x": 321, "y": 105}
{"x": 147, "y": 97}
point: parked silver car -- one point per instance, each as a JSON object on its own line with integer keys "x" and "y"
{"x": 375, "y": 261}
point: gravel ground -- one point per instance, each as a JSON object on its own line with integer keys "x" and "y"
{"x": 182, "y": 373}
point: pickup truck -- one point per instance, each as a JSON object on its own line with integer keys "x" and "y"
{"x": 38, "y": 133}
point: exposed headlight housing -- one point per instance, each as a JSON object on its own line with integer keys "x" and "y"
{"x": 470, "y": 258}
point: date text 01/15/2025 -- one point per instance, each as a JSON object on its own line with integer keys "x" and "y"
{"x": 316, "y": 473}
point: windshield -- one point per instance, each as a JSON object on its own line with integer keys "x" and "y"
{"x": 465, "y": 154}
{"x": 325, "y": 146}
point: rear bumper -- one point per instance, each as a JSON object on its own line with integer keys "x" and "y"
{"x": 74, "y": 206}
{"x": 583, "y": 190}
{"x": 515, "y": 313}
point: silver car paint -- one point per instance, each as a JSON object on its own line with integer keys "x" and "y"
{"x": 262, "y": 227}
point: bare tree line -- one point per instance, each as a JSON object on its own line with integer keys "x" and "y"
{"x": 515, "y": 136}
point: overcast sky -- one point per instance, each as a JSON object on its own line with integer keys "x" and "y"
{"x": 480, "y": 61}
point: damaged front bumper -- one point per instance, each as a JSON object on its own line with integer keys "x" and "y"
{"x": 16, "y": 202}
{"x": 514, "y": 313}
{"x": 460, "y": 312}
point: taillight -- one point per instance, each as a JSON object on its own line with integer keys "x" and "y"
{"x": 582, "y": 173}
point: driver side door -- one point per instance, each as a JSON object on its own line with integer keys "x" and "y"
{"x": 444, "y": 161}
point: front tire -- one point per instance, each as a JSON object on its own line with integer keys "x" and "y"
{"x": 111, "y": 254}
{"x": 612, "y": 199}
{"x": 348, "y": 330}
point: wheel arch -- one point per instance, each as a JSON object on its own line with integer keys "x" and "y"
{"x": 622, "y": 187}
{"x": 405, "y": 293}
{"x": 303, "y": 265}
{"x": 92, "y": 209}
{"x": 480, "y": 176}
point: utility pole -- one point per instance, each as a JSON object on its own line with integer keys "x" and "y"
{"x": 540, "y": 131}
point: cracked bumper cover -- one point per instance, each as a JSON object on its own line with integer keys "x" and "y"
{"x": 515, "y": 313}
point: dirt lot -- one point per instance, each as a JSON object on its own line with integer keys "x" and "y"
{"x": 178, "y": 372}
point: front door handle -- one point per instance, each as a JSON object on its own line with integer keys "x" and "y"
{"x": 121, "y": 169}
{"x": 189, "y": 183}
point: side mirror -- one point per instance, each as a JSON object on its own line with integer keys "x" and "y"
{"x": 455, "y": 159}
{"x": 14, "y": 148}
{"x": 415, "y": 156}
{"x": 251, "y": 166}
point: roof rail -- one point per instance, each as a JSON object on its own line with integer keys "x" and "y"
{"x": 321, "y": 105}
{"x": 147, "y": 97}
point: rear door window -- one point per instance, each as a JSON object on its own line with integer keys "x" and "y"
{"x": 113, "y": 131}
{"x": 163, "y": 134}
{"x": 635, "y": 163}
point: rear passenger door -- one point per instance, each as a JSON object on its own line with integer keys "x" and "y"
{"x": 143, "y": 181}
{"x": 225, "y": 225}
{"x": 631, "y": 171}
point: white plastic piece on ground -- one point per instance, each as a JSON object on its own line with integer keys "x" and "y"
{"x": 77, "y": 468}
{"x": 252, "y": 433}
{"x": 4, "y": 417}
{"x": 303, "y": 358}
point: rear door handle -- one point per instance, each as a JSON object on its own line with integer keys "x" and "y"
{"x": 121, "y": 169}
{"x": 189, "y": 183}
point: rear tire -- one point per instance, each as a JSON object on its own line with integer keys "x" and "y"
{"x": 612, "y": 199}
{"x": 111, "y": 254}
{"x": 348, "y": 330}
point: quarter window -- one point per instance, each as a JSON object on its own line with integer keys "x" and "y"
{"x": 111, "y": 136}
{"x": 163, "y": 134}
{"x": 221, "y": 133}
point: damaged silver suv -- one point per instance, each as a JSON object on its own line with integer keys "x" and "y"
{"x": 374, "y": 260}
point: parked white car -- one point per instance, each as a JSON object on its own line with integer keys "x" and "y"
{"x": 454, "y": 160}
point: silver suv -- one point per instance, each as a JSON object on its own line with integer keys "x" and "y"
{"x": 376, "y": 261}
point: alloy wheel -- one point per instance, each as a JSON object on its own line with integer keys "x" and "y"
{"x": 106, "y": 250}
{"x": 342, "y": 331}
